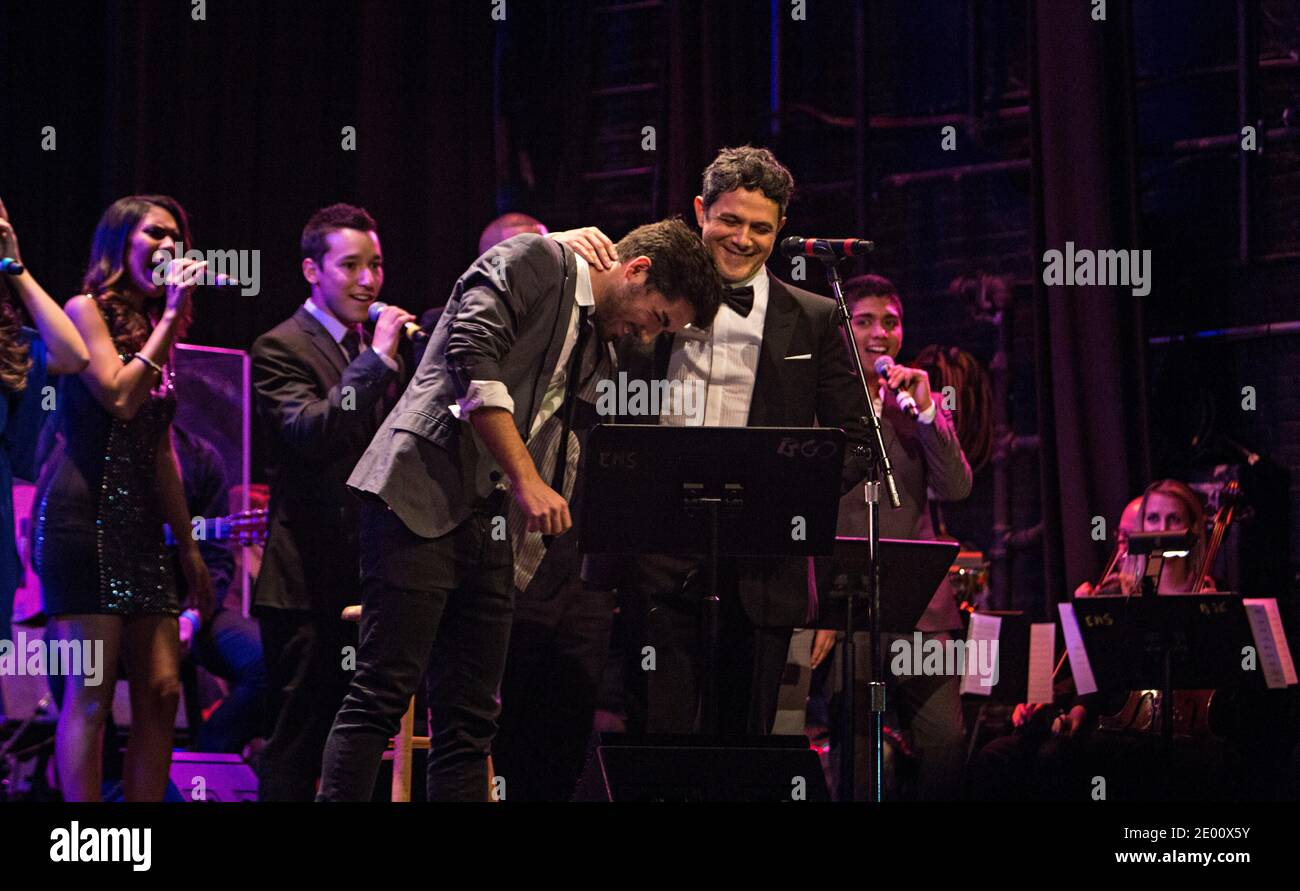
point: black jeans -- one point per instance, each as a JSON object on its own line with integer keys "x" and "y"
{"x": 304, "y": 658}
{"x": 437, "y": 605}
{"x": 558, "y": 649}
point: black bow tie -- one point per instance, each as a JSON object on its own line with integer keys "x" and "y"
{"x": 740, "y": 299}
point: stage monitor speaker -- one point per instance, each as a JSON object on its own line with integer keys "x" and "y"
{"x": 769, "y": 768}
{"x": 208, "y": 776}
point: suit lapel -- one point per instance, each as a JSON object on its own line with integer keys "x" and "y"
{"x": 778, "y": 328}
{"x": 321, "y": 339}
{"x": 559, "y": 332}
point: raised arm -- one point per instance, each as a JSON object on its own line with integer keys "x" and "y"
{"x": 121, "y": 388}
{"x": 65, "y": 349}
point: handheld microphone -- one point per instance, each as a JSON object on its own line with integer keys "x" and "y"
{"x": 10, "y": 266}
{"x": 826, "y": 248}
{"x": 221, "y": 280}
{"x": 410, "y": 329}
{"x": 901, "y": 397}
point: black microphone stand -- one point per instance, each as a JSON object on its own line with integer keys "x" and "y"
{"x": 879, "y": 468}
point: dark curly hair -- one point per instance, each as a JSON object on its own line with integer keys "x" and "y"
{"x": 15, "y": 357}
{"x": 747, "y": 167}
{"x": 680, "y": 265}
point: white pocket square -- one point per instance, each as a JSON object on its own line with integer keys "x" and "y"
{"x": 804, "y": 356}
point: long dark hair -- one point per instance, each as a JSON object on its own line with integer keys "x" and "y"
{"x": 107, "y": 278}
{"x": 15, "y": 357}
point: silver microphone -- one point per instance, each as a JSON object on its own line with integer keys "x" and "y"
{"x": 410, "y": 329}
{"x": 902, "y": 397}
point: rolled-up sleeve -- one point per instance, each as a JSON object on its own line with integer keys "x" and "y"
{"x": 483, "y": 394}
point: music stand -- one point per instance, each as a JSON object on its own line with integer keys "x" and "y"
{"x": 1188, "y": 641}
{"x": 711, "y": 490}
{"x": 911, "y": 571}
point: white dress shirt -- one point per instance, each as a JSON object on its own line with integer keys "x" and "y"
{"x": 724, "y": 364}
{"x": 338, "y": 331}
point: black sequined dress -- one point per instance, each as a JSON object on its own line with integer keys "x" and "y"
{"x": 99, "y": 530}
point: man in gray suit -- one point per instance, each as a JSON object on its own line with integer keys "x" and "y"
{"x": 927, "y": 461}
{"x": 509, "y": 353}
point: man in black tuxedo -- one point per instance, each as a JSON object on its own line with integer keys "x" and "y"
{"x": 517, "y": 341}
{"x": 322, "y": 388}
{"x": 774, "y": 357}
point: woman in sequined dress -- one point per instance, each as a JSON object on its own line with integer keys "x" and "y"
{"x": 105, "y": 572}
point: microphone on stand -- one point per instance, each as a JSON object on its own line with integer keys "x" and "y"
{"x": 413, "y": 331}
{"x": 901, "y": 397}
{"x": 826, "y": 248}
{"x": 10, "y": 266}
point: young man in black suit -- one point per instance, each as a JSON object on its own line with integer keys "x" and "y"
{"x": 928, "y": 462}
{"x": 323, "y": 387}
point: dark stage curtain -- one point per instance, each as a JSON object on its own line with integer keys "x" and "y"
{"x": 240, "y": 118}
{"x": 1092, "y": 405}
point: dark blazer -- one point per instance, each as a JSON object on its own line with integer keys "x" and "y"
{"x": 924, "y": 457}
{"x": 320, "y": 412}
{"x": 788, "y": 392}
{"x": 506, "y": 321}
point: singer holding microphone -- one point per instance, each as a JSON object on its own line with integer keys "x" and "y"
{"x": 322, "y": 387}
{"x": 927, "y": 460}
{"x": 105, "y": 572}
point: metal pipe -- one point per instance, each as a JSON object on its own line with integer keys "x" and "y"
{"x": 974, "y": 61}
{"x": 774, "y": 71}
{"x": 1240, "y": 332}
{"x": 899, "y": 180}
{"x": 1226, "y": 142}
{"x": 1246, "y": 61}
{"x": 861, "y": 119}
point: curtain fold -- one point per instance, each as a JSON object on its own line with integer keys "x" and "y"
{"x": 1090, "y": 344}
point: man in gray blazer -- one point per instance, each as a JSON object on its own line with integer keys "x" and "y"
{"x": 517, "y": 339}
{"x": 928, "y": 461}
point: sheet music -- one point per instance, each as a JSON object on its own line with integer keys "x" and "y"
{"x": 1270, "y": 641}
{"x": 1042, "y": 661}
{"x": 983, "y": 627}
{"x": 1080, "y": 667}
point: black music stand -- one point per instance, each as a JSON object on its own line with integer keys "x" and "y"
{"x": 911, "y": 571}
{"x": 1184, "y": 641}
{"x": 723, "y": 491}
